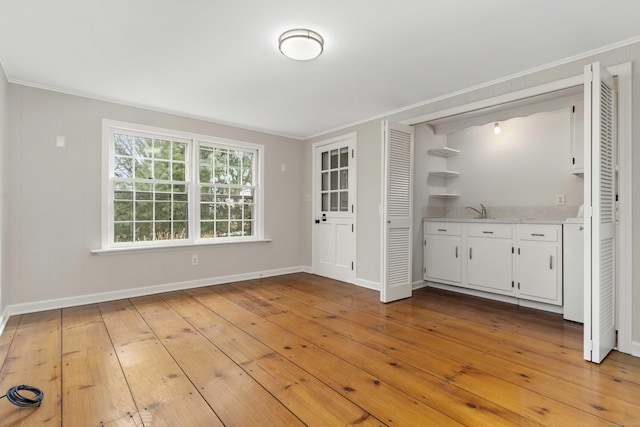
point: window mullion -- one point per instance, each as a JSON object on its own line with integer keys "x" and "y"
{"x": 194, "y": 192}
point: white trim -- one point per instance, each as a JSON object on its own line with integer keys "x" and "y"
{"x": 419, "y": 284}
{"x": 4, "y": 318}
{"x": 635, "y": 348}
{"x": 541, "y": 306}
{"x": 126, "y": 249}
{"x": 194, "y": 141}
{"x": 496, "y": 297}
{"x": 498, "y": 100}
{"x": 352, "y": 140}
{"x": 52, "y": 304}
{"x": 369, "y": 284}
{"x": 624, "y": 299}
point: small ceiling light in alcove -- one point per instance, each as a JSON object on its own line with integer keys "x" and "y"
{"x": 496, "y": 129}
{"x": 301, "y": 44}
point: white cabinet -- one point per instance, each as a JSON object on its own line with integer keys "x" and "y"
{"x": 538, "y": 263}
{"x": 489, "y": 257}
{"x": 518, "y": 260}
{"x": 443, "y": 252}
{"x": 577, "y": 139}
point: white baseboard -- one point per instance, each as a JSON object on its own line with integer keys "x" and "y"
{"x": 367, "y": 284}
{"x": 541, "y": 306}
{"x": 419, "y": 284}
{"x": 32, "y": 307}
{"x": 473, "y": 292}
{"x": 4, "y": 317}
{"x": 635, "y": 348}
{"x": 497, "y": 297}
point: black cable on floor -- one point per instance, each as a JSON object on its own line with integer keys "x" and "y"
{"x": 13, "y": 395}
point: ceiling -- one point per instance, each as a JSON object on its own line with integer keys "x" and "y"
{"x": 219, "y": 60}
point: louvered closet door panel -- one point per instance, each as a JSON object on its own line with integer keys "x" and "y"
{"x": 400, "y": 148}
{"x": 398, "y": 209}
{"x": 601, "y": 239}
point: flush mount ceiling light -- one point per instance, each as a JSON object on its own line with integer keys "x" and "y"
{"x": 496, "y": 129}
{"x": 301, "y": 45}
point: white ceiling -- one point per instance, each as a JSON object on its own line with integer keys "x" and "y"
{"x": 219, "y": 59}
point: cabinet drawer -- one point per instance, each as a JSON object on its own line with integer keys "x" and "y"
{"x": 496, "y": 231}
{"x": 543, "y": 233}
{"x": 445, "y": 228}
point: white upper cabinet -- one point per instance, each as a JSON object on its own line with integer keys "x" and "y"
{"x": 577, "y": 139}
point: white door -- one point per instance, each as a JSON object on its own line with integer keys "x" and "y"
{"x": 397, "y": 211}
{"x": 599, "y": 221}
{"x": 334, "y": 210}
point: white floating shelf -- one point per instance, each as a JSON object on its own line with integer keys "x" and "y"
{"x": 444, "y": 151}
{"x": 445, "y": 195}
{"x": 444, "y": 173}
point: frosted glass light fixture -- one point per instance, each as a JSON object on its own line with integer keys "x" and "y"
{"x": 496, "y": 129}
{"x": 301, "y": 44}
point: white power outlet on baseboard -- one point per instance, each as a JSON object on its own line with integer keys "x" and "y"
{"x": 560, "y": 199}
{"x": 194, "y": 259}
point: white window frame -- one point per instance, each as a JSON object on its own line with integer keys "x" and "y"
{"x": 194, "y": 141}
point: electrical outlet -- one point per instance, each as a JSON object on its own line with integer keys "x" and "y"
{"x": 194, "y": 259}
{"x": 560, "y": 200}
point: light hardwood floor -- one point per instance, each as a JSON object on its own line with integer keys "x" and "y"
{"x": 304, "y": 350}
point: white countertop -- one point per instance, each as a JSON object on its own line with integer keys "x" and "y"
{"x": 498, "y": 220}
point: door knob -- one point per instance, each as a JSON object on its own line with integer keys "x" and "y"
{"x": 317, "y": 221}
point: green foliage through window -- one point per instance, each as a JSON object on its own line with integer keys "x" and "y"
{"x": 151, "y": 180}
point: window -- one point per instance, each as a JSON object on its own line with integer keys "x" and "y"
{"x": 227, "y": 189}
{"x": 170, "y": 188}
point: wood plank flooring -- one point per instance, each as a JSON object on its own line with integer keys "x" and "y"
{"x": 304, "y": 350}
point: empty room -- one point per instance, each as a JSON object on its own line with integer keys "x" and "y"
{"x": 320, "y": 213}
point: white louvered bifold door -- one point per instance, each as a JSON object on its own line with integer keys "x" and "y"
{"x": 600, "y": 126}
{"x": 397, "y": 199}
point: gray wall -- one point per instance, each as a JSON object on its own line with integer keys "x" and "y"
{"x": 4, "y": 141}
{"x": 527, "y": 165}
{"x": 55, "y": 204}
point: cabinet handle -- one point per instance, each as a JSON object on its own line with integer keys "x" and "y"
{"x": 470, "y": 253}
{"x": 456, "y": 252}
{"x": 488, "y": 232}
{"x": 537, "y": 234}
{"x": 550, "y": 262}
{"x": 442, "y": 229}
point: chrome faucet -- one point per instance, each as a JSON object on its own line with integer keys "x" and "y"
{"x": 482, "y": 213}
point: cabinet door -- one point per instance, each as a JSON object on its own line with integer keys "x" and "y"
{"x": 538, "y": 271}
{"x": 442, "y": 258}
{"x": 489, "y": 264}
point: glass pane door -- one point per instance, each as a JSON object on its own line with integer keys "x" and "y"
{"x": 334, "y": 189}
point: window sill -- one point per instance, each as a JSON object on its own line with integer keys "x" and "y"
{"x": 110, "y": 251}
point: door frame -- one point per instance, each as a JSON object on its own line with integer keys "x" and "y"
{"x": 624, "y": 285}
{"x": 352, "y": 138}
